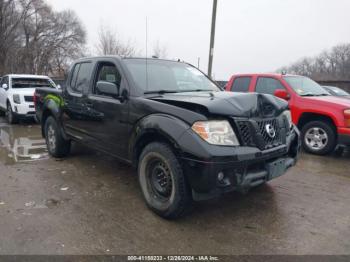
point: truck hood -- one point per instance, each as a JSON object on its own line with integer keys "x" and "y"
{"x": 23, "y": 91}
{"x": 227, "y": 103}
{"x": 334, "y": 101}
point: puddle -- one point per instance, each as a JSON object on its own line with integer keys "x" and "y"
{"x": 21, "y": 143}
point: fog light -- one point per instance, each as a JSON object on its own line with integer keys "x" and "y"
{"x": 221, "y": 176}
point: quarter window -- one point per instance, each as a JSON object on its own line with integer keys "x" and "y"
{"x": 241, "y": 84}
{"x": 268, "y": 85}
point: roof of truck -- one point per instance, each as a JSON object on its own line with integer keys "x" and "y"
{"x": 126, "y": 57}
{"x": 26, "y": 76}
{"x": 264, "y": 74}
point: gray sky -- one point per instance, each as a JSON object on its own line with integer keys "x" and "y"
{"x": 252, "y": 35}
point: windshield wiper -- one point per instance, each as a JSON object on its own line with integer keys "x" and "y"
{"x": 197, "y": 90}
{"x": 161, "y": 92}
{"x": 315, "y": 94}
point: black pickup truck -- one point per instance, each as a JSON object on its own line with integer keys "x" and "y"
{"x": 188, "y": 139}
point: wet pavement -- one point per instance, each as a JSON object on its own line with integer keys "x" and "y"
{"x": 91, "y": 204}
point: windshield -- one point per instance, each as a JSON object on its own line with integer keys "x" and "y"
{"x": 32, "y": 83}
{"x": 168, "y": 76}
{"x": 304, "y": 86}
{"x": 336, "y": 91}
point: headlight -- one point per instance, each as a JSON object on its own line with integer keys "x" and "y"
{"x": 288, "y": 115}
{"x": 216, "y": 132}
{"x": 16, "y": 99}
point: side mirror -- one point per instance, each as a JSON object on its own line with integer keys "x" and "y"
{"x": 281, "y": 93}
{"x": 59, "y": 87}
{"x": 4, "y": 86}
{"x": 107, "y": 88}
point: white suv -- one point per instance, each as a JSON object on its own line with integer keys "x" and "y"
{"x": 17, "y": 95}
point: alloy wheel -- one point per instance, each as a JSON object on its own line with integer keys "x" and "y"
{"x": 316, "y": 138}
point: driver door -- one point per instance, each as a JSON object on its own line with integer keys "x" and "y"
{"x": 111, "y": 131}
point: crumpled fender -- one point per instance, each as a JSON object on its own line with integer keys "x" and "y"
{"x": 163, "y": 125}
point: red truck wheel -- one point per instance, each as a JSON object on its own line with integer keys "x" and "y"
{"x": 318, "y": 138}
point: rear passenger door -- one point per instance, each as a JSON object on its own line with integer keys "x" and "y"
{"x": 241, "y": 84}
{"x": 76, "y": 117}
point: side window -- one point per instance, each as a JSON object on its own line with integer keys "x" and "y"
{"x": 107, "y": 72}
{"x": 80, "y": 77}
{"x": 241, "y": 84}
{"x": 84, "y": 77}
{"x": 268, "y": 85}
{"x": 73, "y": 80}
{"x": 5, "y": 80}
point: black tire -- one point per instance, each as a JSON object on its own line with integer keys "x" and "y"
{"x": 11, "y": 118}
{"x": 2, "y": 113}
{"x": 326, "y": 130}
{"x": 56, "y": 144}
{"x": 174, "y": 199}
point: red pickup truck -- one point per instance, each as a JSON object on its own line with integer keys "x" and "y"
{"x": 324, "y": 120}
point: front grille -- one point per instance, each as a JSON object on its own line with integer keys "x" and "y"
{"x": 268, "y": 140}
{"x": 29, "y": 98}
{"x": 245, "y": 132}
{"x": 254, "y": 133}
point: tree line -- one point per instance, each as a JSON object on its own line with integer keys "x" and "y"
{"x": 35, "y": 39}
{"x": 333, "y": 64}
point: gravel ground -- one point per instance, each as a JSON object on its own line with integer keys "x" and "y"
{"x": 91, "y": 204}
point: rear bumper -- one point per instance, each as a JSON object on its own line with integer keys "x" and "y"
{"x": 251, "y": 167}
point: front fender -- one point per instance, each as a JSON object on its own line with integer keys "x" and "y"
{"x": 159, "y": 125}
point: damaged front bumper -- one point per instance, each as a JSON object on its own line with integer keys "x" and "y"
{"x": 238, "y": 169}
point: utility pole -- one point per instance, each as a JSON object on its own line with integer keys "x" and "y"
{"x": 212, "y": 38}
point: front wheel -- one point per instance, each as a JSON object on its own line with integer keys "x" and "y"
{"x": 56, "y": 144}
{"x": 163, "y": 182}
{"x": 318, "y": 138}
{"x": 11, "y": 118}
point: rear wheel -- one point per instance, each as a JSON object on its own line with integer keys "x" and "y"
{"x": 162, "y": 181}
{"x": 318, "y": 138}
{"x": 56, "y": 144}
{"x": 11, "y": 118}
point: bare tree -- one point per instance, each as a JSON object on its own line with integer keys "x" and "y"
{"x": 38, "y": 40}
{"x": 110, "y": 44}
{"x": 11, "y": 16}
